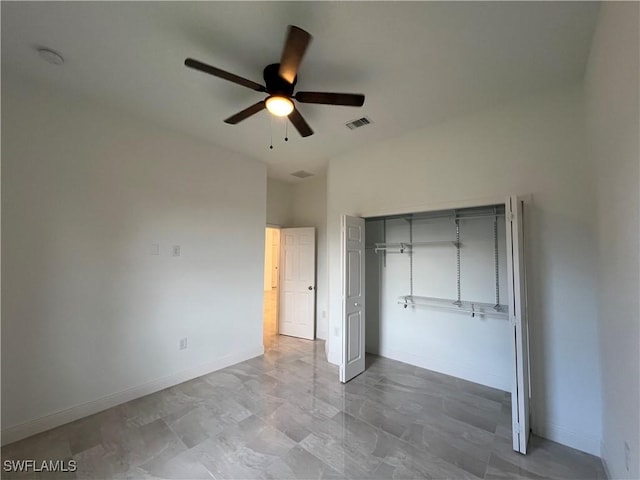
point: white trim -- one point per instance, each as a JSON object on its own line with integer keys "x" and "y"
{"x": 37, "y": 425}
{"x": 578, "y": 440}
{"x": 436, "y": 363}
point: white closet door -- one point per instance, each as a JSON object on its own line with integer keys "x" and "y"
{"x": 297, "y": 282}
{"x": 518, "y": 317}
{"x": 353, "y": 324}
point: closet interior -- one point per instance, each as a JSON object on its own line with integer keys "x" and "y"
{"x": 436, "y": 293}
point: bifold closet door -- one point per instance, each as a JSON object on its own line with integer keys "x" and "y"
{"x": 518, "y": 318}
{"x": 353, "y": 324}
{"x": 297, "y": 282}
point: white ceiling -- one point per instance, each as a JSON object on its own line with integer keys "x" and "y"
{"x": 417, "y": 63}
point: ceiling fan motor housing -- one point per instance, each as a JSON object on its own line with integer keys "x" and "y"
{"x": 276, "y": 85}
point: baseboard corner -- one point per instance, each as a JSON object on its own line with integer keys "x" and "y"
{"x": 566, "y": 436}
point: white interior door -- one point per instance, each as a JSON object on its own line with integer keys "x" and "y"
{"x": 518, "y": 316}
{"x": 297, "y": 282}
{"x": 353, "y": 324}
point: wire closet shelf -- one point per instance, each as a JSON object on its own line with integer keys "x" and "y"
{"x": 474, "y": 309}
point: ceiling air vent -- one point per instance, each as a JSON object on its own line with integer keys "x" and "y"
{"x": 302, "y": 174}
{"x": 361, "y": 122}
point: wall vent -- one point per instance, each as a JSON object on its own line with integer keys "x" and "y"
{"x": 302, "y": 174}
{"x": 361, "y": 122}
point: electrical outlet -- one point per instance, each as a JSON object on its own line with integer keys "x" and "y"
{"x": 627, "y": 455}
{"x": 183, "y": 343}
{"x": 175, "y": 250}
{"x": 155, "y": 249}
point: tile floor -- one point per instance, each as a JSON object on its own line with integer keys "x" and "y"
{"x": 284, "y": 415}
{"x": 270, "y": 317}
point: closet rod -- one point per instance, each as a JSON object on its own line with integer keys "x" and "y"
{"x": 459, "y": 217}
{"x": 473, "y": 308}
{"x": 472, "y": 217}
{"x": 407, "y": 247}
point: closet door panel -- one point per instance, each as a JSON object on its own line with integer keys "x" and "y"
{"x": 520, "y": 394}
{"x": 353, "y": 298}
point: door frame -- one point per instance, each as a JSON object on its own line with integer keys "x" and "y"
{"x": 275, "y": 227}
{"x": 472, "y": 203}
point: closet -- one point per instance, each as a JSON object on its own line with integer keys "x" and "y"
{"x": 436, "y": 292}
{"x": 443, "y": 290}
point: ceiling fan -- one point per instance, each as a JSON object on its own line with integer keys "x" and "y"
{"x": 280, "y": 79}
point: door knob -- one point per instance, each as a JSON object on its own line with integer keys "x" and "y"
{"x": 356, "y": 304}
{"x": 310, "y": 287}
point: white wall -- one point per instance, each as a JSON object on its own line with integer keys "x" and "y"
{"x": 310, "y": 210}
{"x": 477, "y": 349}
{"x": 536, "y": 146}
{"x": 612, "y": 85}
{"x": 279, "y": 203}
{"x": 90, "y": 318}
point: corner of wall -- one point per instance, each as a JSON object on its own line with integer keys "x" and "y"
{"x": 279, "y": 203}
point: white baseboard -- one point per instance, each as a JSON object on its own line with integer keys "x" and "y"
{"x": 578, "y": 440}
{"x": 446, "y": 366}
{"x": 47, "y": 422}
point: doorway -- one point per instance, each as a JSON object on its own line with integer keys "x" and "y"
{"x": 289, "y": 283}
{"x": 271, "y": 285}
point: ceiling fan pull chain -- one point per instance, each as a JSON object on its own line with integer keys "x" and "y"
{"x": 271, "y": 134}
{"x": 286, "y": 129}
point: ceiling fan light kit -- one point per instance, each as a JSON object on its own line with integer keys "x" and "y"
{"x": 280, "y": 79}
{"x": 279, "y": 106}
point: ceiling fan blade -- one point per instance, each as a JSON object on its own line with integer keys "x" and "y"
{"x": 294, "y": 47}
{"x": 300, "y": 123}
{"x": 246, "y": 113}
{"x": 348, "y": 99}
{"x": 203, "y": 67}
